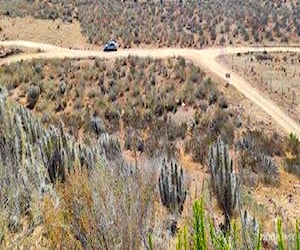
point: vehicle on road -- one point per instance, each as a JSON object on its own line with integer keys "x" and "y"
{"x": 111, "y": 46}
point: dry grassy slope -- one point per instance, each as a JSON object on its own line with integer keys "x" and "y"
{"x": 206, "y": 59}
{"x": 283, "y": 201}
{"x": 45, "y": 31}
{"x": 191, "y": 24}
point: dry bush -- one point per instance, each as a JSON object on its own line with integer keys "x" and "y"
{"x": 206, "y": 129}
{"x": 105, "y": 209}
{"x": 292, "y": 165}
{"x": 255, "y": 157}
{"x": 33, "y": 93}
{"x": 292, "y": 162}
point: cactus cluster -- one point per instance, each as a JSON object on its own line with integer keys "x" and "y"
{"x": 51, "y": 148}
{"x": 172, "y": 187}
{"x": 226, "y": 184}
{"x": 33, "y": 157}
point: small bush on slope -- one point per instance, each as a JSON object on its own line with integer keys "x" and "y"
{"x": 292, "y": 162}
{"x": 255, "y": 158}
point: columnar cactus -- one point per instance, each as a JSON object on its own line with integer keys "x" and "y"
{"x": 225, "y": 182}
{"x": 52, "y": 148}
{"x": 56, "y": 168}
{"x": 97, "y": 125}
{"x": 57, "y": 151}
{"x": 172, "y": 187}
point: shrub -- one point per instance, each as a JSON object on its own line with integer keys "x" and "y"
{"x": 33, "y": 93}
{"x": 255, "y": 151}
{"x": 268, "y": 171}
{"x": 292, "y": 165}
{"x": 223, "y": 102}
{"x": 197, "y": 147}
{"x": 293, "y": 143}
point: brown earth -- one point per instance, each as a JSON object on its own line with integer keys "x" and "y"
{"x": 277, "y": 75}
{"x": 54, "y": 32}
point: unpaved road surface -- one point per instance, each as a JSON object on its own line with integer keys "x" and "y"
{"x": 206, "y": 58}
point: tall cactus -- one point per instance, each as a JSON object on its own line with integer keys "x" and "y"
{"x": 172, "y": 187}
{"x": 225, "y": 182}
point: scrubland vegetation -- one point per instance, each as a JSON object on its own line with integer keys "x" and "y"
{"x": 191, "y": 23}
{"x": 92, "y": 203}
{"x": 133, "y": 96}
{"x": 40, "y": 9}
{"x": 83, "y": 107}
{"x": 172, "y": 23}
{"x": 143, "y": 101}
{"x": 91, "y": 151}
{"x": 93, "y": 206}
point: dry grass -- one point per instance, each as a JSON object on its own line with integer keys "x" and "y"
{"x": 46, "y": 31}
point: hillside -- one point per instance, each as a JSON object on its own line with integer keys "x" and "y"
{"x": 169, "y": 23}
{"x": 187, "y": 137}
{"x": 93, "y": 97}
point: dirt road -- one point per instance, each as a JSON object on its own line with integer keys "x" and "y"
{"x": 206, "y": 58}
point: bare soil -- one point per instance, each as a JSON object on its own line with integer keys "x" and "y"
{"x": 45, "y": 31}
{"x": 276, "y": 75}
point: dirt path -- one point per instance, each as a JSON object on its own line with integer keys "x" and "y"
{"x": 205, "y": 58}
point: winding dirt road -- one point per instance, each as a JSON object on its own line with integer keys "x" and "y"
{"x": 205, "y": 58}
